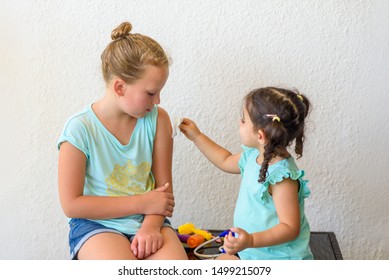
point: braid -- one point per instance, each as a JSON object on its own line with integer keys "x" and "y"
{"x": 298, "y": 149}
{"x": 267, "y": 156}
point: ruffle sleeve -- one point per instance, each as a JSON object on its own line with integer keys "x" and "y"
{"x": 247, "y": 153}
{"x": 279, "y": 175}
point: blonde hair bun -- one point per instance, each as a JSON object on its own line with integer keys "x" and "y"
{"x": 123, "y": 30}
{"x": 127, "y": 55}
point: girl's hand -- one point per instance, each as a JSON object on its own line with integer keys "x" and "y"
{"x": 232, "y": 244}
{"x": 159, "y": 202}
{"x": 147, "y": 241}
{"x": 189, "y": 129}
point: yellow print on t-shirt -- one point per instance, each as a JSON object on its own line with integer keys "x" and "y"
{"x": 130, "y": 179}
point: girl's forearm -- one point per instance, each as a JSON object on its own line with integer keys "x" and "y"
{"x": 155, "y": 221}
{"x": 278, "y": 234}
{"x": 212, "y": 151}
{"x": 104, "y": 207}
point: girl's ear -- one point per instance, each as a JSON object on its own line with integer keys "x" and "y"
{"x": 261, "y": 137}
{"x": 119, "y": 87}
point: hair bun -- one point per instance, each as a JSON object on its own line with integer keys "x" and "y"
{"x": 121, "y": 31}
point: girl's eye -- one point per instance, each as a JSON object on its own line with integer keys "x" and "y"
{"x": 151, "y": 93}
{"x": 242, "y": 118}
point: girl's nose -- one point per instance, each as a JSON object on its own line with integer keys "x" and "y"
{"x": 157, "y": 99}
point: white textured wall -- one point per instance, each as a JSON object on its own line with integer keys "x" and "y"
{"x": 336, "y": 52}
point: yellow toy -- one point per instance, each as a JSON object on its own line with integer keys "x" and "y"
{"x": 189, "y": 228}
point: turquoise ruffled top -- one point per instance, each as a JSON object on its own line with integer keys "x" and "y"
{"x": 255, "y": 210}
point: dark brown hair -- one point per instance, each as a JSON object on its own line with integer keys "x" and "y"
{"x": 291, "y": 109}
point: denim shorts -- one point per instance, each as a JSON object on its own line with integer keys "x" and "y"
{"x": 82, "y": 229}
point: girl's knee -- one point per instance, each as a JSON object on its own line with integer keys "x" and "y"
{"x": 106, "y": 246}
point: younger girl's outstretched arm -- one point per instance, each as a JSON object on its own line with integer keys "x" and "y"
{"x": 285, "y": 197}
{"x": 219, "y": 156}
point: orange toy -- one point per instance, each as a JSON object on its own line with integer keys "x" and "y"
{"x": 195, "y": 240}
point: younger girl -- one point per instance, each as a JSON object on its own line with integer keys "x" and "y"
{"x": 269, "y": 219}
{"x": 113, "y": 155}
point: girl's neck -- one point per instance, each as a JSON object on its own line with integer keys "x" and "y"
{"x": 105, "y": 109}
{"x": 118, "y": 124}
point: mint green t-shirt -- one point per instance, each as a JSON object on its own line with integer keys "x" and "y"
{"x": 255, "y": 210}
{"x": 114, "y": 169}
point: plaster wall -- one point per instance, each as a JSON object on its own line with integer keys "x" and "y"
{"x": 336, "y": 52}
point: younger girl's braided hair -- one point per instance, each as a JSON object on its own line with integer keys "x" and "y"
{"x": 280, "y": 113}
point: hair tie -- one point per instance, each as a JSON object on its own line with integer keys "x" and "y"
{"x": 273, "y": 117}
{"x": 300, "y": 97}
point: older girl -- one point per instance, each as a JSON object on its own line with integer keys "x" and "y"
{"x": 115, "y": 159}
